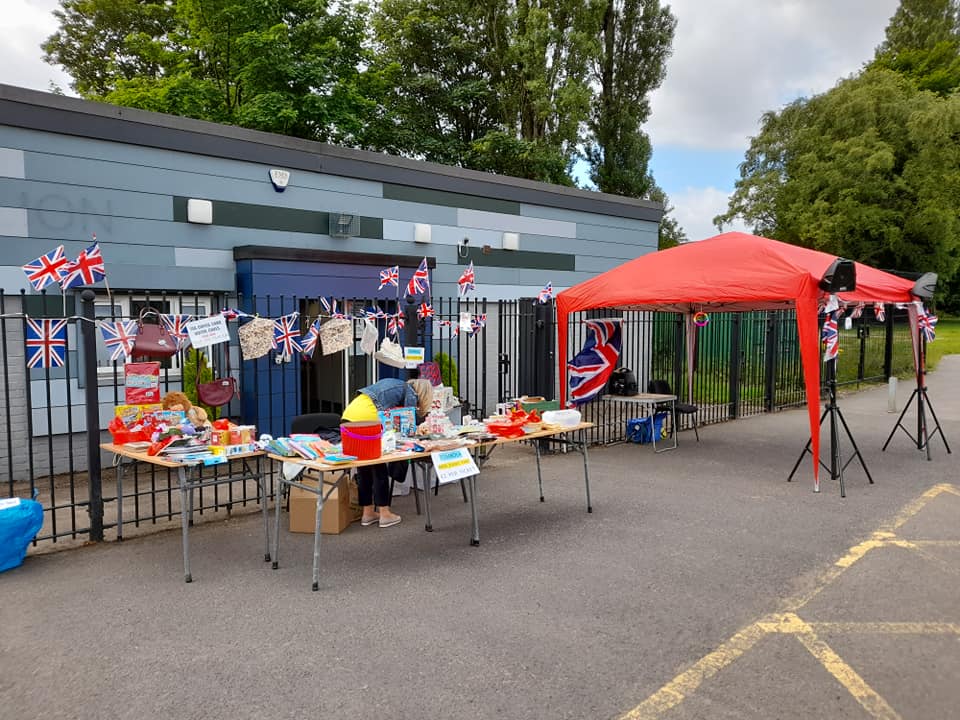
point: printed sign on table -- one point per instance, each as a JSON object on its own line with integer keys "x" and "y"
{"x": 453, "y": 465}
{"x": 413, "y": 356}
{"x": 208, "y": 331}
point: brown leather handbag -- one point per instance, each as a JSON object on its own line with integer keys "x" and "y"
{"x": 217, "y": 392}
{"x": 153, "y": 340}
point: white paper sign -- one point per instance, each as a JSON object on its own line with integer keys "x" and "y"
{"x": 466, "y": 321}
{"x": 413, "y": 356}
{"x": 453, "y": 465}
{"x": 9, "y": 503}
{"x": 208, "y": 331}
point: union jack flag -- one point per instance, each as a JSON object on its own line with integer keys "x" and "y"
{"x": 374, "y": 314}
{"x": 467, "y": 281}
{"x": 545, "y": 295}
{"x": 830, "y": 337}
{"x": 420, "y": 282}
{"x": 927, "y": 323}
{"x": 119, "y": 337}
{"x": 310, "y": 341}
{"x": 425, "y": 310}
{"x": 233, "y": 313}
{"x": 477, "y": 323}
{"x": 286, "y": 334}
{"x": 591, "y": 367}
{"x": 395, "y": 324}
{"x": 47, "y": 268}
{"x": 879, "y": 312}
{"x": 87, "y": 269}
{"x": 857, "y": 310}
{"x": 330, "y": 306}
{"x": 177, "y": 327}
{"x": 46, "y": 343}
{"x": 390, "y": 276}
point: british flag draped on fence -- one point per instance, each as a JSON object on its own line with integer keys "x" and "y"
{"x": 87, "y": 269}
{"x": 420, "y": 282}
{"x": 176, "y": 325}
{"x": 311, "y": 339}
{"x": 119, "y": 337}
{"x": 286, "y": 333}
{"x": 545, "y": 295}
{"x": 830, "y": 336}
{"x": 591, "y": 367}
{"x": 879, "y": 312}
{"x": 47, "y": 269}
{"x": 46, "y": 342}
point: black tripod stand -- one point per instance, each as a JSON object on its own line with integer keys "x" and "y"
{"x": 923, "y": 403}
{"x": 832, "y": 409}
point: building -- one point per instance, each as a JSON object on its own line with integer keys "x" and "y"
{"x": 189, "y": 207}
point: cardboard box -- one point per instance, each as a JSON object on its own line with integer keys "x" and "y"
{"x": 339, "y": 509}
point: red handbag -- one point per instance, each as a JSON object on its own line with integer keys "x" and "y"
{"x": 217, "y": 393}
{"x": 153, "y": 340}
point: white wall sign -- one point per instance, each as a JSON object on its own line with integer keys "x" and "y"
{"x": 453, "y": 465}
{"x": 413, "y": 356}
{"x": 208, "y": 331}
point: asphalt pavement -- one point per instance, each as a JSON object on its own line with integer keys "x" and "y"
{"x": 702, "y": 585}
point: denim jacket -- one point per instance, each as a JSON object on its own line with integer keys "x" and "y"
{"x": 390, "y": 393}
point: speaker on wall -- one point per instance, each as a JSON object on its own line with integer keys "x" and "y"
{"x": 841, "y": 276}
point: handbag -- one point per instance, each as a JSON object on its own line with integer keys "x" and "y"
{"x": 219, "y": 391}
{"x": 153, "y": 340}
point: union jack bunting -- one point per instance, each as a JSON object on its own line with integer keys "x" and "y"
{"x": 857, "y": 310}
{"x": 177, "y": 327}
{"x": 591, "y": 367}
{"x": 424, "y": 311}
{"x": 87, "y": 269}
{"x": 830, "y": 337}
{"x": 420, "y": 282}
{"x": 47, "y": 268}
{"x": 927, "y": 323}
{"x": 545, "y": 295}
{"x": 390, "y": 276}
{"x": 46, "y": 343}
{"x": 467, "y": 281}
{"x": 310, "y": 341}
{"x": 119, "y": 337}
{"x": 233, "y": 313}
{"x": 478, "y": 323}
{"x": 374, "y": 314}
{"x": 286, "y": 334}
{"x": 330, "y": 306}
{"x": 879, "y": 312}
{"x": 395, "y": 324}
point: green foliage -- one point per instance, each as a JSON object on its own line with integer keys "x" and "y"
{"x": 195, "y": 361}
{"x": 671, "y": 234}
{"x": 449, "y": 372}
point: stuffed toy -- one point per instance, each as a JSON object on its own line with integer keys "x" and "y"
{"x": 176, "y": 400}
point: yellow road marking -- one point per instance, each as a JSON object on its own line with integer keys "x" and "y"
{"x": 676, "y": 691}
{"x": 888, "y": 628}
{"x": 848, "y": 677}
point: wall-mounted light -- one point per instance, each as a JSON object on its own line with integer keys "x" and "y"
{"x": 200, "y": 211}
{"x": 511, "y": 241}
{"x": 421, "y": 233}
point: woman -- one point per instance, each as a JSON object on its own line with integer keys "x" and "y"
{"x": 373, "y": 481}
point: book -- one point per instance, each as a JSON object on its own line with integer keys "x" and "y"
{"x": 338, "y": 459}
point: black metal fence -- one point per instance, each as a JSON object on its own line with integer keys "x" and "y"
{"x": 490, "y": 352}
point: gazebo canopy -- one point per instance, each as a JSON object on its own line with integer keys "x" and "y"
{"x": 729, "y": 273}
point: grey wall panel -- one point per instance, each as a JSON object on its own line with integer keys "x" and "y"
{"x": 12, "y": 279}
{"x": 99, "y": 150}
{"x": 146, "y": 277}
{"x": 72, "y": 199}
{"x": 639, "y": 236}
{"x": 596, "y": 265}
{"x": 114, "y": 254}
{"x": 194, "y": 257}
{"x": 579, "y": 216}
{"x": 514, "y": 223}
{"x": 11, "y": 163}
{"x": 13, "y": 223}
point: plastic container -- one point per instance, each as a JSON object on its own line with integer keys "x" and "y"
{"x": 361, "y": 439}
{"x": 563, "y": 418}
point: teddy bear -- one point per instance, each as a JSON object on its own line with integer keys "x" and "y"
{"x": 176, "y": 400}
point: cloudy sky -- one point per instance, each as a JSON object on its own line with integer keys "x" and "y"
{"x": 732, "y": 61}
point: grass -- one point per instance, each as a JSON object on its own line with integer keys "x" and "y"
{"x": 947, "y": 341}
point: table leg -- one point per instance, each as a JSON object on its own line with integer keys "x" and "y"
{"x": 120, "y": 470}
{"x": 474, "y": 515}
{"x": 185, "y": 522}
{"x": 673, "y": 428}
{"x": 536, "y": 447}
{"x": 277, "y": 502}
{"x": 316, "y": 538}
{"x": 586, "y": 467}
{"x": 262, "y": 484}
{"x": 425, "y": 469}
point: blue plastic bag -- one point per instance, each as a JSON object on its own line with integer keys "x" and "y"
{"x": 20, "y": 521}
{"x": 641, "y": 430}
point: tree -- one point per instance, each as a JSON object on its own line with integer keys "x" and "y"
{"x": 636, "y": 39}
{"x": 923, "y": 43}
{"x": 671, "y": 234}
